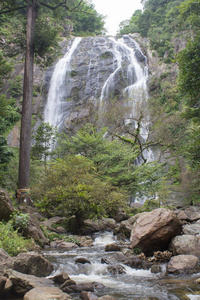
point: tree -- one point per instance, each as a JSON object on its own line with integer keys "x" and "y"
{"x": 72, "y": 187}
{"x": 31, "y": 7}
{"x": 45, "y": 139}
{"x": 115, "y": 160}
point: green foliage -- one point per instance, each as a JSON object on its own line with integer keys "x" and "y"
{"x": 11, "y": 241}
{"x": 189, "y": 80}
{"x": 72, "y": 187}
{"x": 15, "y": 86}
{"x": 158, "y": 22}
{"x": 193, "y": 147}
{"x": 67, "y": 238}
{"x": 45, "y": 139}
{"x": 88, "y": 22}
{"x": 5, "y": 68}
{"x": 114, "y": 160}
{"x": 20, "y": 221}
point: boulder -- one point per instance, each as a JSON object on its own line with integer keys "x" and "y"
{"x": 66, "y": 284}
{"x": 22, "y": 283}
{"x": 153, "y": 231}
{"x": 46, "y": 293}
{"x": 183, "y": 264}
{"x": 127, "y": 226}
{"x": 3, "y": 254}
{"x": 5, "y": 264}
{"x": 107, "y": 297}
{"x": 190, "y": 214}
{"x": 117, "y": 269}
{"x": 78, "y": 288}
{"x": 84, "y": 240}
{"x": 88, "y": 296}
{"x": 60, "y": 278}
{"x": 82, "y": 260}
{"x": 54, "y": 222}
{"x": 6, "y": 206}
{"x": 34, "y": 231}
{"x": 193, "y": 229}
{"x": 104, "y": 224}
{"x": 156, "y": 269}
{"x": 61, "y": 244}
{"x": 5, "y": 285}
{"x": 32, "y": 263}
{"x": 112, "y": 247}
{"x": 2, "y": 284}
{"x": 185, "y": 244}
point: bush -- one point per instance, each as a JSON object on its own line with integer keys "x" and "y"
{"x": 11, "y": 241}
{"x": 72, "y": 187}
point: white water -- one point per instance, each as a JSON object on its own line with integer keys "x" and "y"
{"x": 55, "y": 106}
{"x": 134, "y": 284}
{"x": 136, "y": 90}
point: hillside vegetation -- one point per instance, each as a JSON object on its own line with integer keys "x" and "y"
{"x": 102, "y": 179}
{"x": 173, "y": 31}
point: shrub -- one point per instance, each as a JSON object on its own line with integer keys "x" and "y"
{"x": 72, "y": 187}
{"x": 11, "y": 241}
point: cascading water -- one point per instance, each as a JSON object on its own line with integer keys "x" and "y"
{"x": 56, "y": 105}
{"x": 133, "y": 284}
{"x": 136, "y": 89}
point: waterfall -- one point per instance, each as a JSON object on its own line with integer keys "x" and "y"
{"x": 56, "y": 101}
{"x": 136, "y": 89}
{"x": 99, "y": 69}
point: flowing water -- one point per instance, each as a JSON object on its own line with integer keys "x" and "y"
{"x": 56, "y": 102}
{"x": 134, "y": 284}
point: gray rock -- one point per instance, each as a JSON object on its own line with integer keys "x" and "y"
{"x": 32, "y": 263}
{"x": 154, "y": 230}
{"x": 60, "y": 278}
{"x": 82, "y": 260}
{"x": 107, "y": 297}
{"x": 193, "y": 229}
{"x": 112, "y": 247}
{"x": 185, "y": 244}
{"x": 100, "y": 225}
{"x": 127, "y": 226}
{"x": 156, "y": 269}
{"x": 22, "y": 283}
{"x": 78, "y": 288}
{"x": 88, "y": 296}
{"x": 190, "y": 214}
{"x": 6, "y": 206}
{"x": 183, "y": 264}
{"x": 46, "y": 293}
{"x": 60, "y": 244}
{"x": 3, "y": 254}
{"x": 117, "y": 269}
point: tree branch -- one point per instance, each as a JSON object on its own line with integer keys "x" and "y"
{"x": 11, "y": 9}
{"x": 62, "y": 4}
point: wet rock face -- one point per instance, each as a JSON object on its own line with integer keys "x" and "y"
{"x": 92, "y": 63}
{"x": 154, "y": 230}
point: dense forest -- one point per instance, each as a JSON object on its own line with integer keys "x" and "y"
{"x": 100, "y": 182}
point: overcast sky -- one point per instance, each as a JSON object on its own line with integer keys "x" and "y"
{"x": 116, "y": 11}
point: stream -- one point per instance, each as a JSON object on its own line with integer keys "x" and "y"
{"x": 134, "y": 284}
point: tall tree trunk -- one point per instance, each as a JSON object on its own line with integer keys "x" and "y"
{"x": 25, "y": 134}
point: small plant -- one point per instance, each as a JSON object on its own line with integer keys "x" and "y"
{"x": 20, "y": 221}
{"x": 137, "y": 251}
